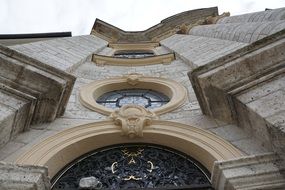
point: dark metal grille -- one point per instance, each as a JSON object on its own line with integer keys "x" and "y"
{"x": 147, "y": 98}
{"x": 133, "y": 54}
{"x": 135, "y": 166}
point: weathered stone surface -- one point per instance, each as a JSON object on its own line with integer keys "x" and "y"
{"x": 30, "y": 92}
{"x": 254, "y": 135}
{"x": 253, "y": 172}
{"x": 35, "y": 86}
{"x": 164, "y": 29}
{"x": 244, "y": 97}
{"x": 64, "y": 54}
{"x": 15, "y": 177}
{"x": 262, "y": 16}
{"x": 22, "y": 107}
{"x": 90, "y": 183}
{"x": 51, "y": 89}
{"x": 239, "y": 68}
{"x": 264, "y": 112}
{"x": 6, "y": 125}
{"x": 239, "y": 32}
{"x": 197, "y": 50}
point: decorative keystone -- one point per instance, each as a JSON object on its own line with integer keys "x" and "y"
{"x": 133, "y": 78}
{"x": 132, "y": 119}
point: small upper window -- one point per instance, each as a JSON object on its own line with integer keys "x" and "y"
{"x": 143, "y": 97}
{"x": 133, "y": 54}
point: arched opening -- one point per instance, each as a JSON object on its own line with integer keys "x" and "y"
{"x": 58, "y": 150}
{"x": 133, "y": 166}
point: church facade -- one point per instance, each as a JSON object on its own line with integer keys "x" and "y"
{"x": 194, "y": 102}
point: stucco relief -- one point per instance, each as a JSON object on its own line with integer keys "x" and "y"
{"x": 133, "y": 78}
{"x": 132, "y": 119}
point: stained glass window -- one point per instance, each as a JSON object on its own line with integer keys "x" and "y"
{"x": 133, "y": 54}
{"x": 147, "y": 98}
{"x": 134, "y": 166}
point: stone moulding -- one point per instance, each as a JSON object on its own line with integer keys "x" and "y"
{"x": 32, "y": 91}
{"x": 175, "y": 91}
{"x": 132, "y": 119}
{"x": 156, "y": 33}
{"x": 58, "y": 150}
{"x": 51, "y": 88}
{"x": 109, "y": 60}
{"x": 230, "y": 87}
{"x": 215, "y": 94}
{"x": 250, "y": 172}
{"x": 134, "y": 46}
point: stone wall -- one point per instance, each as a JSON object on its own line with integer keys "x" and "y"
{"x": 253, "y": 95}
{"x": 30, "y": 91}
{"x": 64, "y": 53}
{"x": 164, "y": 29}
{"x": 76, "y": 114}
{"x": 246, "y": 28}
{"x": 252, "y": 172}
{"x": 256, "y": 127}
{"x": 239, "y": 32}
{"x": 16, "y": 177}
{"x": 262, "y": 16}
{"x": 198, "y": 50}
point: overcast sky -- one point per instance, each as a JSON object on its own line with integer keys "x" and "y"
{"x": 78, "y": 16}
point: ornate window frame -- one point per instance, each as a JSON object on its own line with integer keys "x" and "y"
{"x": 175, "y": 91}
{"x": 119, "y": 61}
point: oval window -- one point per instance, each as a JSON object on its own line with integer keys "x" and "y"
{"x": 144, "y": 97}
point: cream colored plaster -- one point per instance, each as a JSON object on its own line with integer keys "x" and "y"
{"x": 58, "y": 150}
{"x": 133, "y": 119}
{"x": 175, "y": 91}
{"x": 134, "y": 46}
{"x": 110, "y": 60}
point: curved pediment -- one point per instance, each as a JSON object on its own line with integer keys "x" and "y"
{"x": 162, "y": 30}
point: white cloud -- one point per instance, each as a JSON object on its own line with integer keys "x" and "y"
{"x": 78, "y": 16}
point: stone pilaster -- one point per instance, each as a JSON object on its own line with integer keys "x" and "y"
{"x": 247, "y": 87}
{"x": 30, "y": 92}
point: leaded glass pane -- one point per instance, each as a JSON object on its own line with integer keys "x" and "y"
{"x": 133, "y": 54}
{"x": 135, "y": 166}
{"x": 147, "y": 98}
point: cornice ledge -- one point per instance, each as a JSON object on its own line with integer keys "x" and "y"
{"x": 250, "y": 172}
{"x": 102, "y": 60}
{"x": 217, "y": 82}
